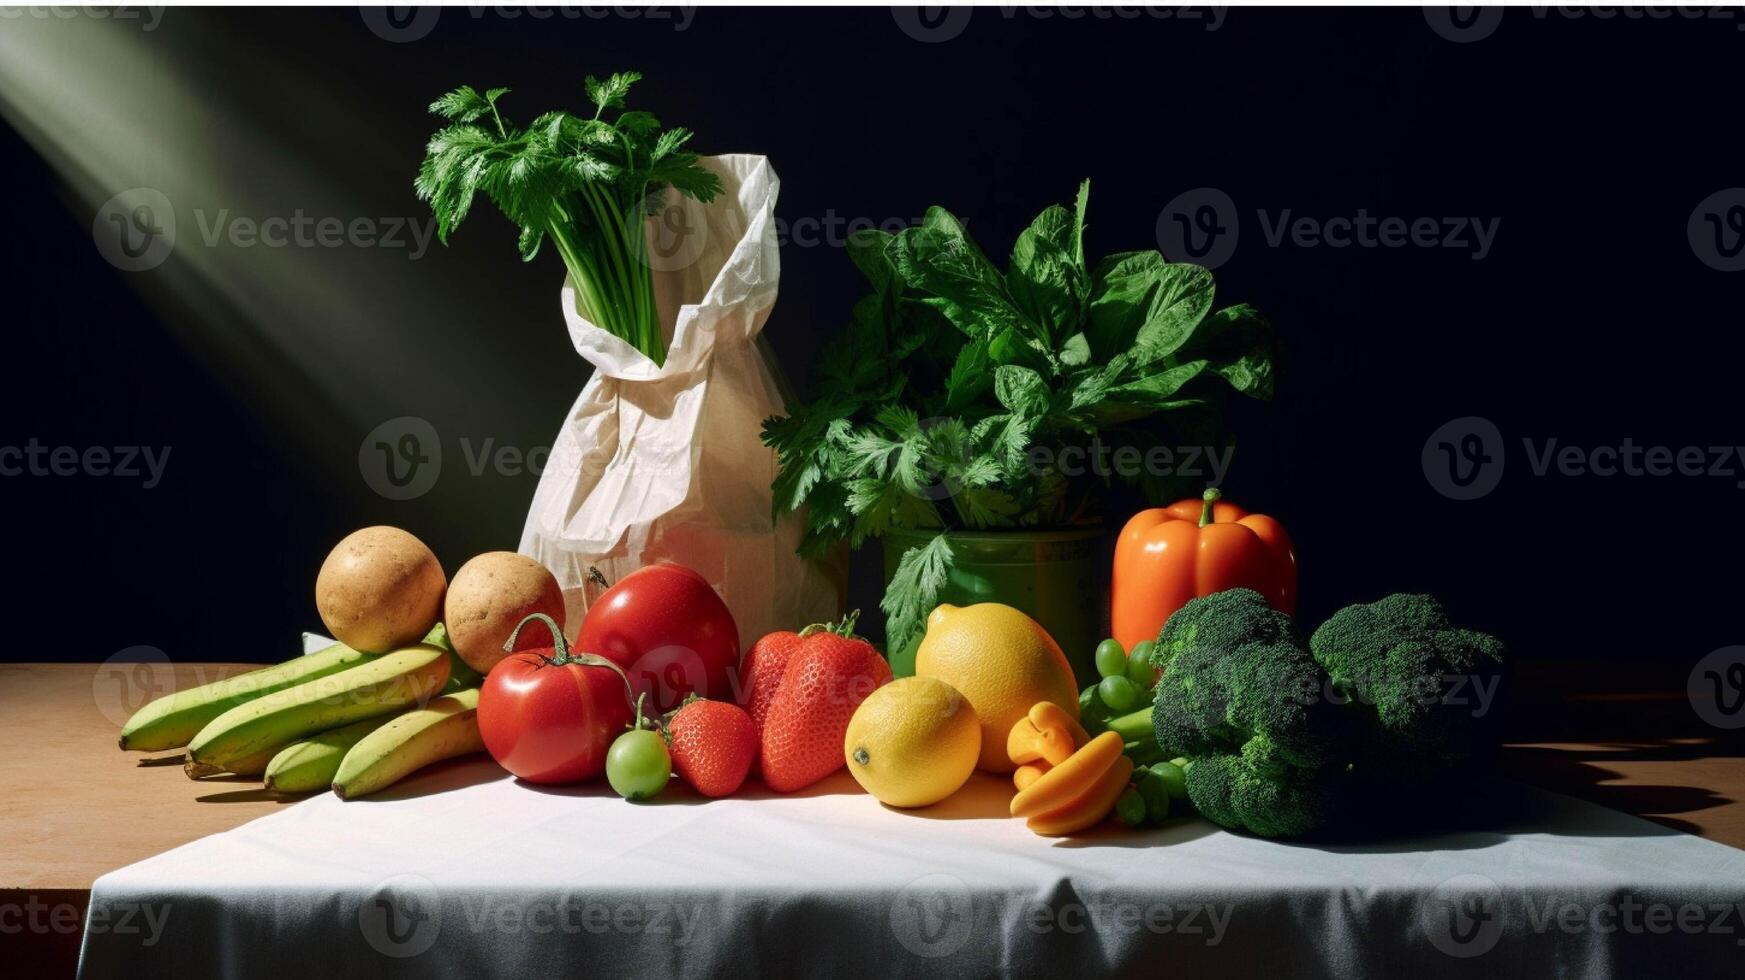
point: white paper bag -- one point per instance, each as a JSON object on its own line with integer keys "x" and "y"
{"x": 665, "y": 463}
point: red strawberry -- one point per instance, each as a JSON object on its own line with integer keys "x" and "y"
{"x": 825, "y": 678}
{"x": 760, "y": 672}
{"x": 713, "y": 745}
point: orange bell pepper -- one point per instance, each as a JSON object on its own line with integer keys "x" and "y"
{"x": 1168, "y": 555}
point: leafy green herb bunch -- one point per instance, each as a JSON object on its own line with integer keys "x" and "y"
{"x": 951, "y": 401}
{"x": 587, "y": 183}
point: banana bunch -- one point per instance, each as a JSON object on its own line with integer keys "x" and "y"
{"x": 445, "y": 728}
{"x": 171, "y": 722}
{"x": 356, "y": 721}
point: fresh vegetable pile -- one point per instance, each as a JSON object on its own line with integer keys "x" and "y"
{"x": 1283, "y": 739}
{"x": 1227, "y": 712}
{"x": 953, "y": 375}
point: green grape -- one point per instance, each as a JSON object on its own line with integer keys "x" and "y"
{"x": 1119, "y": 693}
{"x": 1139, "y": 669}
{"x": 1173, "y": 777}
{"x": 1111, "y": 659}
{"x": 1130, "y": 808}
{"x": 1154, "y": 790}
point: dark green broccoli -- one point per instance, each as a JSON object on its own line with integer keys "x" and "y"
{"x": 1242, "y": 697}
{"x": 1258, "y": 792}
{"x": 1420, "y": 689}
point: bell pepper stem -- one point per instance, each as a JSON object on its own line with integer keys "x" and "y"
{"x": 1207, "y": 499}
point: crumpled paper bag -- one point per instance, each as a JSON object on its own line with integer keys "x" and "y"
{"x": 665, "y": 463}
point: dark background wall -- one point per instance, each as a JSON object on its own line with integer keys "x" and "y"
{"x": 1593, "y": 317}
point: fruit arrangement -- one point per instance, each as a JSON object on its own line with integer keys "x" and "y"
{"x": 1218, "y": 708}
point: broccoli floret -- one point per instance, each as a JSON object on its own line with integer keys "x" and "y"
{"x": 1240, "y": 691}
{"x": 1420, "y": 689}
{"x": 1265, "y": 798}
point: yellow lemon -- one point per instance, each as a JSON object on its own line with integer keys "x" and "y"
{"x": 913, "y": 742}
{"x": 1003, "y": 662}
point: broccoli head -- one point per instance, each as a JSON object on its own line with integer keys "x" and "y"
{"x": 1240, "y": 692}
{"x": 1421, "y": 688}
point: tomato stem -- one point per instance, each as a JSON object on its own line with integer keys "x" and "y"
{"x": 562, "y": 655}
{"x": 1208, "y": 498}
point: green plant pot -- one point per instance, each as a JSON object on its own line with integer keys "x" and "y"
{"x": 1058, "y": 578}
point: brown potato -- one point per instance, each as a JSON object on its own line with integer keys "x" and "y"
{"x": 380, "y": 589}
{"x": 491, "y": 594}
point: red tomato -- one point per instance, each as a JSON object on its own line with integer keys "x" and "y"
{"x": 551, "y": 723}
{"x": 669, "y": 631}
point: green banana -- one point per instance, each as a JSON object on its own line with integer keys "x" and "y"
{"x": 309, "y": 765}
{"x": 460, "y": 676}
{"x": 172, "y": 720}
{"x": 443, "y": 729}
{"x": 385, "y": 684}
{"x": 254, "y": 765}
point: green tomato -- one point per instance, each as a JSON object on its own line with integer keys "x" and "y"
{"x": 1174, "y": 777}
{"x": 1119, "y": 693}
{"x": 1130, "y": 808}
{"x": 1111, "y": 659}
{"x": 638, "y": 764}
{"x": 1154, "y": 790}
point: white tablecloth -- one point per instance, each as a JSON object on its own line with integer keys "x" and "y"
{"x": 465, "y": 872}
